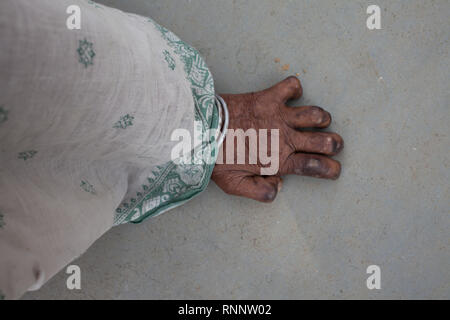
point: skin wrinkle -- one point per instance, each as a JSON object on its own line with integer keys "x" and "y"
{"x": 302, "y": 153}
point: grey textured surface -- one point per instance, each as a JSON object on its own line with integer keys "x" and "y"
{"x": 388, "y": 92}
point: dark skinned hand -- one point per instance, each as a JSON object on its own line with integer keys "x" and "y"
{"x": 304, "y": 153}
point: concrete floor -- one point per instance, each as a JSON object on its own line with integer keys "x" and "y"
{"x": 388, "y": 92}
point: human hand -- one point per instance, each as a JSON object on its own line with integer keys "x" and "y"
{"x": 299, "y": 152}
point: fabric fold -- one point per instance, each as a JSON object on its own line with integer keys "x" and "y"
{"x": 86, "y": 124}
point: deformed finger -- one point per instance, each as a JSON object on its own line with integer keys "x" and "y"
{"x": 258, "y": 188}
{"x": 306, "y": 117}
{"x": 312, "y": 165}
{"x": 316, "y": 142}
{"x": 289, "y": 88}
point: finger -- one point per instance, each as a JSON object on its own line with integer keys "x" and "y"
{"x": 316, "y": 142}
{"x": 258, "y": 188}
{"x": 289, "y": 88}
{"x": 306, "y": 117}
{"x": 312, "y": 165}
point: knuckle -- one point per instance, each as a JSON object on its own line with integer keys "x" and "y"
{"x": 314, "y": 167}
{"x": 320, "y": 116}
{"x": 311, "y": 166}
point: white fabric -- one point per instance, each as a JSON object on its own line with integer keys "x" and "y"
{"x": 85, "y": 117}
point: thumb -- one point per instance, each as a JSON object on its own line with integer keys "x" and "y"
{"x": 260, "y": 188}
